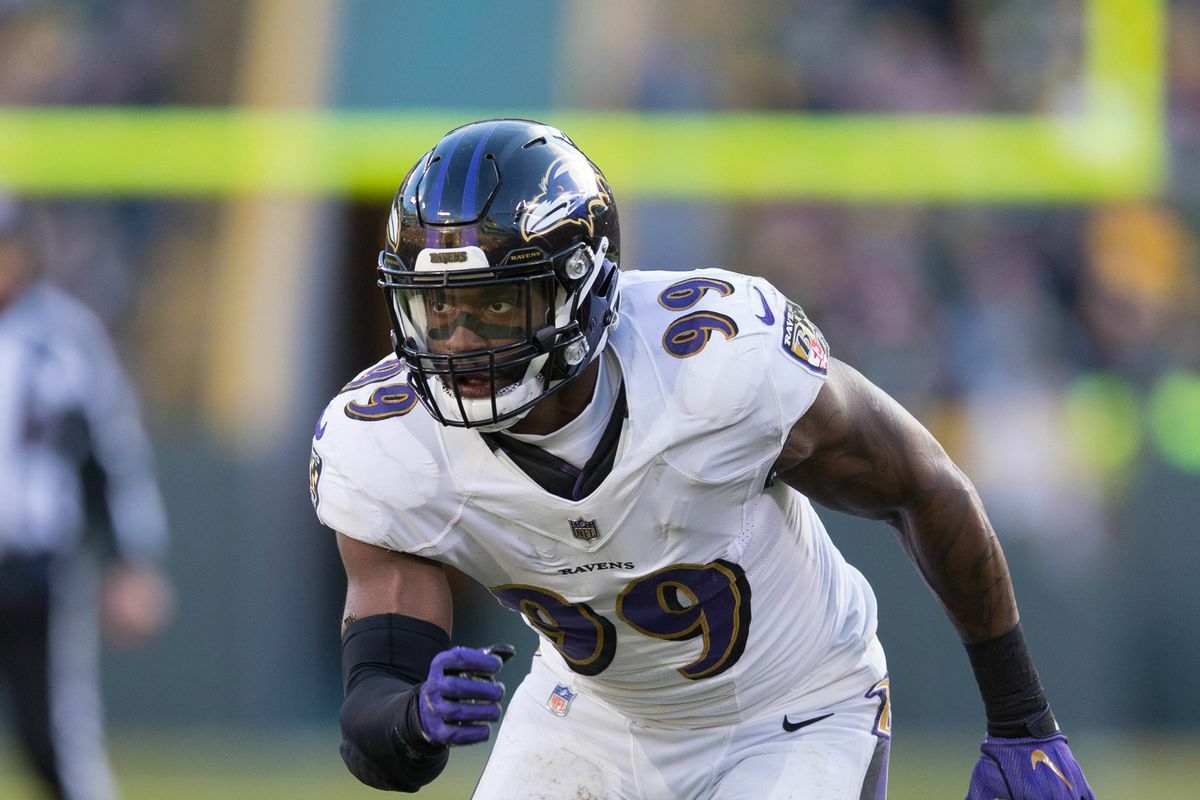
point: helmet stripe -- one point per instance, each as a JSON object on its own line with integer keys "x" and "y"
{"x": 435, "y": 199}
{"x": 468, "y": 202}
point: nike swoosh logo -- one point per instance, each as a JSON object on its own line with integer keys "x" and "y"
{"x": 795, "y": 726}
{"x": 768, "y": 318}
{"x": 321, "y": 427}
{"x": 1040, "y": 757}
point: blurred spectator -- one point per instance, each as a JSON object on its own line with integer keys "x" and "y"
{"x": 1141, "y": 291}
{"x": 68, "y": 418}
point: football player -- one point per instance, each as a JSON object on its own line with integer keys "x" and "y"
{"x": 630, "y": 460}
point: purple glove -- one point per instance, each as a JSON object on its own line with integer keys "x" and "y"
{"x": 461, "y": 696}
{"x": 1028, "y": 769}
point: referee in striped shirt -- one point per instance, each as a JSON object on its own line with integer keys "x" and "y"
{"x": 66, "y": 409}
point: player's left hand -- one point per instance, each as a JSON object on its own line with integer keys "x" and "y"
{"x": 1028, "y": 769}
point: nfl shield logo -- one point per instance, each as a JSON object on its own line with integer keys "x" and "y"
{"x": 560, "y": 700}
{"x": 584, "y": 529}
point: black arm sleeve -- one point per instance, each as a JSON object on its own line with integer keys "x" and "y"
{"x": 384, "y": 660}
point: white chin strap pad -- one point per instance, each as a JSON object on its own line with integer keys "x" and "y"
{"x": 479, "y": 409}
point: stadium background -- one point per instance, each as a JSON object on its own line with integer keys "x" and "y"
{"x": 991, "y": 208}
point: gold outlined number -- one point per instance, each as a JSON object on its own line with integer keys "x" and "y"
{"x": 683, "y": 601}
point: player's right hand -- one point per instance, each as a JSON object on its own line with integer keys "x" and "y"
{"x": 461, "y": 696}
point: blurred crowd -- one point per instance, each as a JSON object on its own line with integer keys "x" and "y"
{"x": 120, "y": 256}
{"x": 1055, "y": 349}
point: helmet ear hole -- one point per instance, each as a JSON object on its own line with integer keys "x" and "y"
{"x": 606, "y": 280}
{"x": 585, "y": 313}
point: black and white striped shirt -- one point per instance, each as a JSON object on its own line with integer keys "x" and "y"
{"x": 64, "y": 398}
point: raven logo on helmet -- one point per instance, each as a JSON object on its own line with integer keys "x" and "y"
{"x": 572, "y": 193}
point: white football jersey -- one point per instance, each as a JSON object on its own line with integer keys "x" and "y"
{"x": 689, "y": 589}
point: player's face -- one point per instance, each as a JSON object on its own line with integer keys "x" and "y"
{"x": 476, "y": 320}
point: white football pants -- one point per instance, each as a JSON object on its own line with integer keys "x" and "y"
{"x": 592, "y": 753}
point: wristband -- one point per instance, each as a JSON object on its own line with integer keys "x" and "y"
{"x": 1008, "y": 682}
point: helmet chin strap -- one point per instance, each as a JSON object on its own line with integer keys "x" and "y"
{"x": 511, "y": 397}
{"x": 503, "y": 425}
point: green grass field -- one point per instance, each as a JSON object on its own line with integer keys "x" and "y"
{"x": 232, "y": 767}
{"x": 215, "y": 766}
